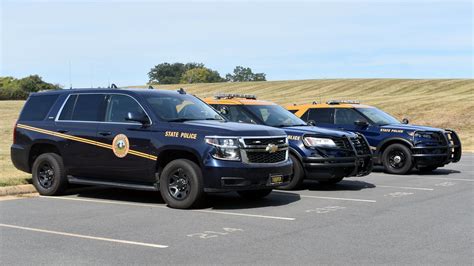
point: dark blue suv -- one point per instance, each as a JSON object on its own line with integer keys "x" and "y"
{"x": 317, "y": 153}
{"x": 148, "y": 140}
{"x": 398, "y": 146}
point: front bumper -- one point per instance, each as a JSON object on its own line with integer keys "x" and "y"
{"x": 328, "y": 168}
{"x": 439, "y": 155}
{"x": 223, "y": 176}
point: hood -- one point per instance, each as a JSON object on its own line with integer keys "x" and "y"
{"x": 409, "y": 127}
{"x": 213, "y": 127}
{"x": 317, "y": 131}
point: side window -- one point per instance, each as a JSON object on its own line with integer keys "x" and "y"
{"x": 37, "y": 107}
{"x": 321, "y": 115}
{"x": 347, "y": 116}
{"x": 118, "y": 107}
{"x": 84, "y": 107}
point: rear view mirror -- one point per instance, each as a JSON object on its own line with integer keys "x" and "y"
{"x": 137, "y": 117}
{"x": 311, "y": 123}
{"x": 405, "y": 121}
{"x": 361, "y": 123}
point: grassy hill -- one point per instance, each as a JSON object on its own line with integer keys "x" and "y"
{"x": 445, "y": 103}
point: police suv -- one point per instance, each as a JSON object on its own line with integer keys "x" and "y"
{"x": 147, "y": 140}
{"x": 398, "y": 146}
{"x": 317, "y": 153}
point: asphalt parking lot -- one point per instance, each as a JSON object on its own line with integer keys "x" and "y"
{"x": 381, "y": 218}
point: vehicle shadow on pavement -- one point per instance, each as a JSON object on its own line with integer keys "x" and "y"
{"x": 440, "y": 171}
{"x": 344, "y": 185}
{"x": 221, "y": 201}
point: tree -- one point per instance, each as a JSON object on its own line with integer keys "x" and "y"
{"x": 18, "y": 89}
{"x": 167, "y": 73}
{"x": 242, "y": 74}
{"x": 200, "y": 75}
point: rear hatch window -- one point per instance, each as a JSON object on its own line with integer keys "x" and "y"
{"x": 37, "y": 107}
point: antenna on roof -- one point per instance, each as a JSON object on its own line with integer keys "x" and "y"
{"x": 113, "y": 86}
{"x": 181, "y": 91}
{"x": 151, "y": 87}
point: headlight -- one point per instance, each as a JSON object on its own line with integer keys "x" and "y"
{"x": 318, "y": 142}
{"x": 424, "y": 135}
{"x": 225, "y": 148}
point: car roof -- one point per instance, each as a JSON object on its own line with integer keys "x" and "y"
{"x": 145, "y": 92}
{"x": 236, "y": 101}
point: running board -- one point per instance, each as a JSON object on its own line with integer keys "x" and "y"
{"x": 95, "y": 182}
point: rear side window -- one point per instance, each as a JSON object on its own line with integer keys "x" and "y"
{"x": 347, "y": 116}
{"x": 321, "y": 115}
{"x": 37, "y": 107}
{"x": 84, "y": 107}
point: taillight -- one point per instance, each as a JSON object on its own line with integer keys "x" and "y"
{"x": 14, "y": 132}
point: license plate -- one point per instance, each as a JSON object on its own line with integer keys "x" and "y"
{"x": 276, "y": 179}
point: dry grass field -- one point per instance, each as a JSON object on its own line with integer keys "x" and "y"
{"x": 445, "y": 103}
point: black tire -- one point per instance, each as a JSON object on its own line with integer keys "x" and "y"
{"x": 427, "y": 169}
{"x": 49, "y": 175}
{"x": 254, "y": 194}
{"x": 397, "y": 159}
{"x": 297, "y": 177}
{"x": 181, "y": 184}
{"x": 331, "y": 181}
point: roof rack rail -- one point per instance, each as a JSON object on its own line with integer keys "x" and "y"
{"x": 331, "y": 102}
{"x": 235, "y": 95}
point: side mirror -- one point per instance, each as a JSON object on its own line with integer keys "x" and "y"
{"x": 311, "y": 123}
{"x": 405, "y": 121}
{"x": 361, "y": 123}
{"x": 224, "y": 110}
{"x": 138, "y": 117}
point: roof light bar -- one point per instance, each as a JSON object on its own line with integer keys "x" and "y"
{"x": 343, "y": 101}
{"x": 235, "y": 95}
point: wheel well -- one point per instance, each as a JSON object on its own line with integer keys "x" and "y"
{"x": 390, "y": 142}
{"x": 40, "y": 148}
{"x": 169, "y": 155}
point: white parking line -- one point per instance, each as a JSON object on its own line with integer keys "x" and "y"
{"x": 321, "y": 197}
{"x": 83, "y": 236}
{"x": 438, "y": 178}
{"x": 164, "y": 207}
{"x": 414, "y": 188}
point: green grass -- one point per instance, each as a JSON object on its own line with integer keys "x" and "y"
{"x": 444, "y": 103}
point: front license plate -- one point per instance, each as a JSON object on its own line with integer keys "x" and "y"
{"x": 276, "y": 179}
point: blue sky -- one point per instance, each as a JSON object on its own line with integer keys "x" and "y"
{"x": 119, "y": 41}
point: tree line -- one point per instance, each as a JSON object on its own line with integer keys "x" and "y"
{"x": 166, "y": 73}
{"x": 19, "y": 89}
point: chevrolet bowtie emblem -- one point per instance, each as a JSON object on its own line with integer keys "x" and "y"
{"x": 271, "y": 148}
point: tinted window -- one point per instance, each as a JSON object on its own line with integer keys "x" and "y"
{"x": 293, "y": 111}
{"x": 68, "y": 108}
{"x": 37, "y": 107}
{"x": 236, "y": 113}
{"x": 347, "y": 116}
{"x": 119, "y": 106}
{"x": 274, "y": 115}
{"x": 321, "y": 115}
{"x": 84, "y": 107}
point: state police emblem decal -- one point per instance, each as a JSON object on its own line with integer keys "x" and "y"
{"x": 120, "y": 145}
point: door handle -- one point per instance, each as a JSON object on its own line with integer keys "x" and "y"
{"x": 62, "y": 130}
{"x": 105, "y": 133}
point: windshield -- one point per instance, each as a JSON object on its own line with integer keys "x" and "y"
{"x": 177, "y": 108}
{"x": 378, "y": 116}
{"x": 275, "y": 116}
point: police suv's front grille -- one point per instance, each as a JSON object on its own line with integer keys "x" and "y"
{"x": 265, "y": 141}
{"x": 264, "y": 150}
{"x": 341, "y": 143}
{"x": 360, "y": 145}
{"x": 265, "y": 157}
